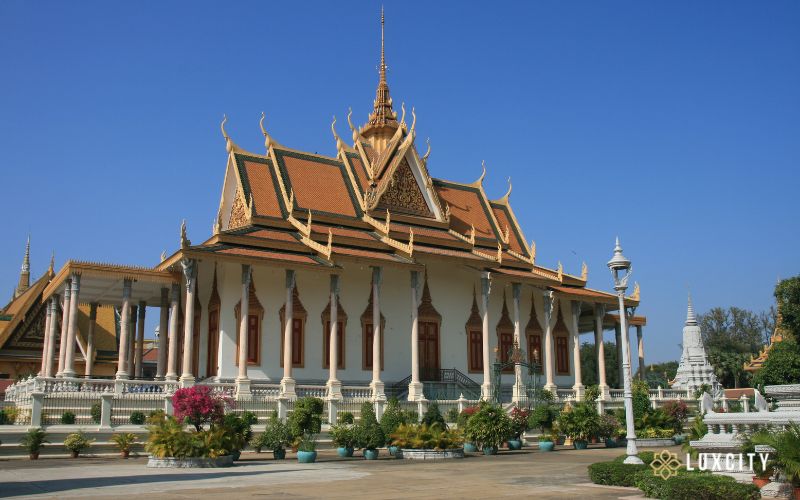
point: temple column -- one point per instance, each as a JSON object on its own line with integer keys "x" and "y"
{"x": 576, "y": 349}
{"x": 334, "y": 385}
{"x": 287, "y": 382}
{"x": 163, "y": 326}
{"x": 519, "y": 386}
{"x": 486, "y": 287}
{"x": 46, "y": 337}
{"x": 131, "y": 360}
{"x": 190, "y": 275}
{"x": 549, "y": 306}
{"x": 415, "y": 389}
{"x": 378, "y": 393}
{"x": 172, "y": 356}
{"x": 51, "y": 336}
{"x": 242, "y": 381}
{"x": 62, "y": 347}
{"x": 89, "y": 358}
{"x": 618, "y": 339}
{"x": 69, "y": 363}
{"x": 599, "y": 314}
{"x": 124, "y": 325}
{"x": 140, "y": 339}
{"x": 640, "y": 340}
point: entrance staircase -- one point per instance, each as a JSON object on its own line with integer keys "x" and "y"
{"x": 443, "y": 384}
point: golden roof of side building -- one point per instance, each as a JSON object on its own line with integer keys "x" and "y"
{"x": 19, "y": 309}
{"x": 778, "y": 335}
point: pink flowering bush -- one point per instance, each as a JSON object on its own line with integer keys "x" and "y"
{"x": 197, "y": 406}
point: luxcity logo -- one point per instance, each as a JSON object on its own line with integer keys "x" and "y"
{"x": 666, "y": 464}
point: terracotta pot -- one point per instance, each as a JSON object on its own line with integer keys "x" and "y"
{"x": 34, "y": 455}
{"x": 797, "y": 493}
{"x": 126, "y": 453}
{"x": 74, "y": 454}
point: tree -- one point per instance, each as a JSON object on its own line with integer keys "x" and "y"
{"x": 659, "y": 374}
{"x": 782, "y": 365}
{"x": 197, "y": 405}
{"x": 787, "y": 293}
{"x": 589, "y": 364}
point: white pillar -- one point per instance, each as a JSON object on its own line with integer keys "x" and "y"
{"x": 46, "y": 337}
{"x": 140, "y": 340}
{"x": 124, "y": 327}
{"x": 89, "y": 358}
{"x": 242, "y": 381}
{"x": 62, "y": 344}
{"x": 287, "y": 382}
{"x": 172, "y": 356}
{"x": 51, "y": 335}
{"x": 549, "y": 307}
{"x": 599, "y": 314}
{"x": 519, "y": 385}
{"x": 640, "y": 340}
{"x": 486, "y": 287}
{"x": 334, "y": 386}
{"x": 378, "y": 393}
{"x": 163, "y": 328}
{"x": 415, "y": 389}
{"x": 190, "y": 275}
{"x": 130, "y": 366}
{"x": 69, "y": 363}
{"x": 576, "y": 349}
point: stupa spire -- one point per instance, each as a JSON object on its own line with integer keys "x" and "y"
{"x": 382, "y": 112}
{"x": 691, "y": 319}
{"x": 25, "y": 271}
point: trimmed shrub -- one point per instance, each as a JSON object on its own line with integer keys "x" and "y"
{"x": 67, "y": 418}
{"x": 707, "y": 487}
{"x": 345, "y": 417}
{"x": 136, "y": 418}
{"x": 451, "y": 416}
{"x": 646, "y": 456}
{"x": 392, "y": 418}
{"x": 433, "y": 416}
{"x": 4, "y": 418}
{"x": 96, "y": 411}
{"x": 615, "y": 473}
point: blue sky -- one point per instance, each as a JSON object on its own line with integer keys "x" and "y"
{"x": 673, "y": 124}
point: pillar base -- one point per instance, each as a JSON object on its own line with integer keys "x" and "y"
{"x": 287, "y": 388}
{"x": 187, "y": 380}
{"x": 486, "y": 391}
{"x": 242, "y": 387}
{"x": 122, "y": 376}
{"x": 378, "y": 390}
{"x": 551, "y": 387}
{"x": 334, "y": 389}
{"x": 415, "y": 392}
{"x": 333, "y": 410}
{"x": 579, "y": 390}
{"x": 171, "y": 377}
{"x": 605, "y": 392}
{"x": 68, "y": 374}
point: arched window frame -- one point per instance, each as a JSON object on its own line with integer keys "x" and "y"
{"x": 255, "y": 310}
{"x": 300, "y": 315}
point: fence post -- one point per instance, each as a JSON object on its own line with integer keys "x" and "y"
{"x": 106, "y": 400}
{"x": 461, "y": 402}
{"x": 118, "y": 384}
{"x": 283, "y": 409}
{"x": 745, "y": 404}
{"x": 379, "y": 406}
{"x": 422, "y": 407}
{"x": 168, "y": 409}
{"x": 37, "y": 402}
{"x": 333, "y": 410}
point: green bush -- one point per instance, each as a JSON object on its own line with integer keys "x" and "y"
{"x": 651, "y": 485}
{"x": 542, "y": 416}
{"x": 276, "y": 436}
{"x": 344, "y": 435}
{"x": 707, "y": 487}
{"x": 137, "y": 418}
{"x": 345, "y": 417}
{"x": 615, "y": 473}
{"x": 488, "y": 427}
{"x": 580, "y": 421}
{"x": 368, "y": 433}
{"x": 423, "y": 437}
{"x": 591, "y": 393}
{"x": 392, "y": 418}
{"x": 782, "y": 366}
{"x": 77, "y": 442}
{"x": 451, "y": 416}
{"x": 67, "y": 418}
{"x": 97, "y": 412}
{"x": 4, "y": 418}
{"x": 433, "y": 416}
{"x": 306, "y": 418}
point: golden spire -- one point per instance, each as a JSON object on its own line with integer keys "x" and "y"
{"x": 25, "y": 272}
{"x": 382, "y": 113}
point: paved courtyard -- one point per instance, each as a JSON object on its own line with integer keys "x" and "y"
{"x": 525, "y": 473}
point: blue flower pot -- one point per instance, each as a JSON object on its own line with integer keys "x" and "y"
{"x": 306, "y": 457}
{"x": 610, "y": 443}
{"x": 393, "y": 450}
{"x": 580, "y": 445}
{"x": 490, "y": 450}
{"x": 546, "y": 446}
{"x": 279, "y": 454}
{"x": 371, "y": 454}
{"x": 344, "y": 451}
{"x": 514, "y": 444}
{"x": 470, "y": 448}
{"x": 678, "y": 438}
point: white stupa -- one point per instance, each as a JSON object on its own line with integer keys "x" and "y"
{"x": 694, "y": 369}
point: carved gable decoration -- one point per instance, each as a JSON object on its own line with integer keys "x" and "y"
{"x": 404, "y": 194}
{"x": 29, "y": 334}
{"x": 239, "y": 213}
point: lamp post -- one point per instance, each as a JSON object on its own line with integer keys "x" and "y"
{"x": 621, "y": 271}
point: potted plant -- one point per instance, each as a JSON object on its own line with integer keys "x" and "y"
{"x": 542, "y": 417}
{"x": 124, "y": 442}
{"x": 96, "y": 411}
{"x": 369, "y": 434}
{"x": 306, "y": 418}
{"x": 579, "y": 423}
{"x": 276, "y": 437}
{"x": 344, "y": 437}
{"x": 488, "y": 428}
{"x": 307, "y": 449}
{"x": 785, "y": 460}
{"x": 34, "y": 441}
{"x": 420, "y": 441}
{"x": 519, "y": 424}
{"x": 461, "y": 422}
{"x": 392, "y": 418}
{"x": 607, "y": 429}
{"x": 77, "y": 442}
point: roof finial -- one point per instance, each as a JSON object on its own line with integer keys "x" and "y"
{"x": 26, "y": 261}
{"x": 25, "y": 273}
{"x": 691, "y": 319}
{"x": 383, "y": 54}
{"x": 382, "y": 113}
{"x": 52, "y": 267}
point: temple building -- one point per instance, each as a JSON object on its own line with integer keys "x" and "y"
{"x": 356, "y": 269}
{"x": 694, "y": 370}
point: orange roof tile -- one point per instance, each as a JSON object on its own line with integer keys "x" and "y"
{"x": 505, "y": 222}
{"x": 267, "y": 254}
{"x": 258, "y": 180}
{"x": 319, "y": 184}
{"x": 466, "y": 209}
{"x": 360, "y": 171}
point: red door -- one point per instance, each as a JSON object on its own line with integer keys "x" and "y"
{"x": 213, "y": 342}
{"x": 429, "y": 351}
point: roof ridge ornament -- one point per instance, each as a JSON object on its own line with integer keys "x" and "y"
{"x": 560, "y": 272}
{"x": 52, "y": 267}
{"x": 505, "y": 197}
{"x": 533, "y": 253}
{"x": 427, "y": 153}
{"x": 339, "y": 142}
{"x": 636, "y": 291}
{"x": 584, "y": 271}
{"x": 185, "y": 242}
{"x": 479, "y": 182}
{"x": 268, "y": 140}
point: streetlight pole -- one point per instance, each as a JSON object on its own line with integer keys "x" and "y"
{"x": 621, "y": 271}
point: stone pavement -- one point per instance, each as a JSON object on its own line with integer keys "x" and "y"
{"x": 526, "y": 473}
